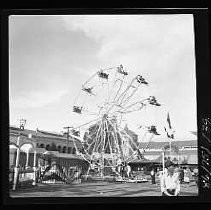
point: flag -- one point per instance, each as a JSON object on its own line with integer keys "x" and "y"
{"x": 169, "y": 130}
{"x": 168, "y": 121}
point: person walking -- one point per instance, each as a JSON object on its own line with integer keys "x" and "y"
{"x": 170, "y": 184}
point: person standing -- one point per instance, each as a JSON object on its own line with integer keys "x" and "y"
{"x": 123, "y": 170}
{"x": 128, "y": 171}
{"x": 186, "y": 176}
{"x": 195, "y": 171}
{"x": 181, "y": 175}
{"x": 170, "y": 184}
{"x": 153, "y": 176}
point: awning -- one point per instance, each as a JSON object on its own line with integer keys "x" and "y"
{"x": 57, "y": 155}
{"x": 141, "y": 161}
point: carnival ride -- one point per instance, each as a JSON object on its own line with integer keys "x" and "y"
{"x": 104, "y": 104}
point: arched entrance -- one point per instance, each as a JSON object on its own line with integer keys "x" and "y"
{"x": 20, "y": 149}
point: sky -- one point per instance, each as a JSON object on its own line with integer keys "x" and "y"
{"x": 50, "y": 57}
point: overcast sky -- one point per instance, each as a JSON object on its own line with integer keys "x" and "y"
{"x": 51, "y": 56}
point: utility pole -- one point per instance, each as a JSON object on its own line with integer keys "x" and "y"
{"x": 68, "y": 131}
{"x": 163, "y": 160}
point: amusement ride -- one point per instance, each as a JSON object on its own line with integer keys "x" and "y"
{"x": 103, "y": 105}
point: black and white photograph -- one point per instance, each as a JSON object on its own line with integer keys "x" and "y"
{"x": 102, "y": 106}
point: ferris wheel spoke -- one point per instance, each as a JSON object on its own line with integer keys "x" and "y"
{"x": 129, "y": 158}
{"x": 91, "y": 135}
{"x": 133, "y": 107}
{"x": 78, "y": 152}
{"x": 86, "y": 151}
{"x": 123, "y": 102}
{"x": 138, "y": 81}
{"x": 90, "y": 79}
{"x": 126, "y": 112}
{"x": 96, "y": 138}
{"x": 120, "y": 87}
{"x": 79, "y": 93}
{"x": 138, "y": 149}
{"x": 96, "y": 119}
{"x": 120, "y": 133}
{"x": 112, "y": 101}
{"x": 135, "y": 84}
{"x": 123, "y": 94}
{"x": 108, "y": 135}
{"x": 130, "y": 96}
{"x": 131, "y": 111}
{"x": 117, "y": 140}
{"x": 109, "y": 139}
{"x": 99, "y": 139}
{"x": 89, "y": 146}
{"x": 104, "y": 136}
{"x": 124, "y": 146}
{"x": 130, "y": 138}
{"x": 91, "y": 113}
{"x": 133, "y": 153}
{"x": 120, "y": 120}
{"x": 133, "y": 104}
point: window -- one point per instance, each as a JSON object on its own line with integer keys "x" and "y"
{"x": 64, "y": 149}
{"x": 69, "y": 150}
{"x": 47, "y": 147}
{"x": 59, "y": 148}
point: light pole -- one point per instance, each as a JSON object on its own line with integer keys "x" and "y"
{"x": 34, "y": 167}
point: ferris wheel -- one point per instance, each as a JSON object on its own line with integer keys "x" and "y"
{"x": 102, "y": 107}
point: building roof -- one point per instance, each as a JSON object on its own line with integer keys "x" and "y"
{"x": 141, "y": 161}
{"x": 38, "y": 133}
{"x": 53, "y": 135}
{"x": 159, "y": 145}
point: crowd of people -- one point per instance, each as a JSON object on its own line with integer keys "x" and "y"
{"x": 169, "y": 179}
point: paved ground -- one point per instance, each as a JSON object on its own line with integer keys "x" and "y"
{"x": 98, "y": 189}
